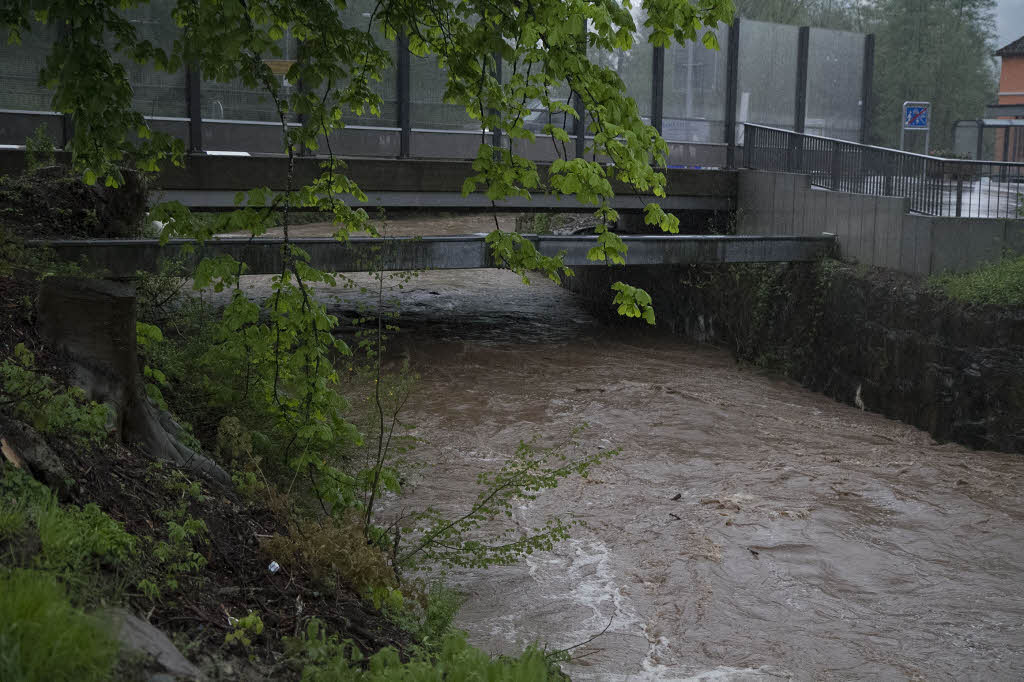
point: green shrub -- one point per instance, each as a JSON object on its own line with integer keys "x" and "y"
{"x": 72, "y": 537}
{"x": 12, "y": 522}
{"x": 67, "y": 542}
{"x": 1000, "y": 283}
{"x": 52, "y": 410}
{"x": 39, "y": 150}
{"x": 331, "y": 660}
{"x": 43, "y": 637}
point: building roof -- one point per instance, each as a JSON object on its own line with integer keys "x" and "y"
{"x": 1014, "y": 49}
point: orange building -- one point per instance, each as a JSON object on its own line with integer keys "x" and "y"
{"x": 1010, "y": 141}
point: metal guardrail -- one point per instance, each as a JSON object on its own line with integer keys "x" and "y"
{"x": 934, "y": 186}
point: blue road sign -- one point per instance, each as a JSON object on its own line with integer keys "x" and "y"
{"x": 915, "y": 116}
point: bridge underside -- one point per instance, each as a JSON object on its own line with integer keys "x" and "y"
{"x": 216, "y": 200}
{"x": 125, "y": 257}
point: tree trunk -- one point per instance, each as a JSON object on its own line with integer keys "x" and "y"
{"x": 92, "y": 323}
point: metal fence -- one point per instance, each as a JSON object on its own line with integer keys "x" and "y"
{"x": 802, "y": 78}
{"x": 934, "y": 186}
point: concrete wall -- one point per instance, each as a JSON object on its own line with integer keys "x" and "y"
{"x": 871, "y": 229}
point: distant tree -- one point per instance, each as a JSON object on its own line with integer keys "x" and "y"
{"x": 934, "y": 50}
{"x": 835, "y": 14}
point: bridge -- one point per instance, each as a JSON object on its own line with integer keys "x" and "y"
{"x": 885, "y": 208}
{"x": 123, "y": 258}
{"x": 211, "y": 182}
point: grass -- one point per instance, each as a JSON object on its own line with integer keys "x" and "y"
{"x": 82, "y": 547}
{"x": 332, "y": 661}
{"x": 1000, "y": 283}
{"x": 43, "y": 637}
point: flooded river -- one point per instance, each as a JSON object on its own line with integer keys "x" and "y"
{"x": 748, "y": 530}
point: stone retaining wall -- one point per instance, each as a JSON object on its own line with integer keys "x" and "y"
{"x": 854, "y": 333}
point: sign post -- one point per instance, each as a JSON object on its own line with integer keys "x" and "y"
{"x": 916, "y": 116}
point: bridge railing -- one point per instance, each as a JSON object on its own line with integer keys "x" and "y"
{"x": 935, "y": 186}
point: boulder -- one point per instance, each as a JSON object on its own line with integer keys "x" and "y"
{"x": 141, "y": 637}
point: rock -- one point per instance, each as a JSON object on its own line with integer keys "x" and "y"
{"x": 31, "y": 448}
{"x": 137, "y": 635}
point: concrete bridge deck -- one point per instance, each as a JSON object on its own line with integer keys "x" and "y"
{"x": 211, "y": 181}
{"x": 125, "y": 257}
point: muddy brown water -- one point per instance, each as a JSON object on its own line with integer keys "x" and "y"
{"x": 749, "y": 529}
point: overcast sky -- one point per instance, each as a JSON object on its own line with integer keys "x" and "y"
{"x": 1009, "y": 20}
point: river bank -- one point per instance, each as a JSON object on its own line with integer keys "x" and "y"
{"x": 876, "y": 338}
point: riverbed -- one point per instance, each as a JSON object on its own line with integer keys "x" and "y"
{"x": 748, "y": 529}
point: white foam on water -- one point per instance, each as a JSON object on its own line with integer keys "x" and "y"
{"x": 594, "y": 585}
{"x": 729, "y": 673}
{"x": 663, "y": 674}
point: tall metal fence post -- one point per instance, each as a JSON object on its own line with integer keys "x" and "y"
{"x": 835, "y": 167}
{"x": 193, "y": 101}
{"x": 577, "y": 104}
{"x": 658, "y": 89}
{"x": 750, "y": 148}
{"x": 732, "y": 71}
{"x": 867, "y": 83}
{"x": 959, "y": 169}
{"x": 803, "y": 50}
{"x": 496, "y": 132}
{"x": 67, "y": 124}
{"x": 800, "y": 114}
{"x": 404, "y": 118}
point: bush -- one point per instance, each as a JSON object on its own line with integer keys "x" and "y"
{"x": 49, "y": 203}
{"x": 74, "y": 544}
{"x": 334, "y": 553}
{"x": 332, "y": 661}
{"x": 43, "y": 637}
{"x": 1000, "y": 283}
{"x": 35, "y": 398}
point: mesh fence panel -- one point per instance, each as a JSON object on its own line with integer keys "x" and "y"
{"x": 236, "y": 101}
{"x": 695, "y": 85}
{"x": 539, "y": 115}
{"x": 835, "y": 69}
{"x": 695, "y": 82}
{"x": 426, "y": 98}
{"x": 965, "y": 139}
{"x": 156, "y": 93}
{"x": 357, "y": 14}
{"x": 634, "y": 66}
{"x": 19, "y": 82}
{"x": 767, "y": 74}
